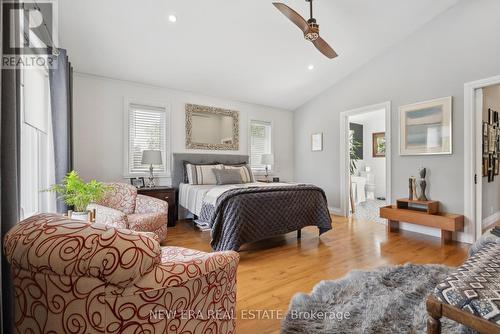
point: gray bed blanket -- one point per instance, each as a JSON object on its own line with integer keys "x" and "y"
{"x": 255, "y": 213}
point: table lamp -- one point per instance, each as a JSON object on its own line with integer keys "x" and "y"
{"x": 267, "y": 160}
{"x": 151, "y": 157}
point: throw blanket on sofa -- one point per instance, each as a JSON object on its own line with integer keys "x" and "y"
{"x": 249, "y": 214}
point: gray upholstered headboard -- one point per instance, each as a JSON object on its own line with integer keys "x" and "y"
{"x": 179, "y": 158}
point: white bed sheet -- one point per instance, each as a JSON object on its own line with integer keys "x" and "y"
{"x": 191, "y": 197}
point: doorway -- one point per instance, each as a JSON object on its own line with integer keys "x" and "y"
{"x": 365, "y": 161}
{"x": 482, "y": 156}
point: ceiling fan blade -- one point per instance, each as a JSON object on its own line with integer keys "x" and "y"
{"x": 324, "y": 48}
{"x": 292, "y": 15}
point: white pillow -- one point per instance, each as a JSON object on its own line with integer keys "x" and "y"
{"x": 202, "y": 174}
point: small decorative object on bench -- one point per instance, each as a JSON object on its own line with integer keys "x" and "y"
{"x": 422, "y": 183}
{"x": 425, "y": 213}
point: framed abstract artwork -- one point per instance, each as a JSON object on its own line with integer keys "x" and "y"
{"x": 426, "y": 128}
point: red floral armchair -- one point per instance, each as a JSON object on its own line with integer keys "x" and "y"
{"x": 75, "y": 277}
{"x": 124, "y": 208}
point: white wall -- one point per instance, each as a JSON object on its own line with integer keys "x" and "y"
{"x": 98, "y": 125}
{"x": 459, "y": 46}
{"x": 372, "y": 122}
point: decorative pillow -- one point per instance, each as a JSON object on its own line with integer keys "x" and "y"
{"x": 202, "y": 174}
{"x": 227, "y": 176}
{"x": 245, "y": 171}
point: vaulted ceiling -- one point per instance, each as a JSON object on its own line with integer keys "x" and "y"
{"x": 237, "y": 49}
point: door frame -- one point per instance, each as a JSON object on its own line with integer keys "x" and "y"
{"x": 473, "y": 156}
{"x": 344, "y": 152}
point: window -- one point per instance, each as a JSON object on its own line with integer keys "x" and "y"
{"x": 36, "y": 148}
{"x": 260, "y": 143}
{"x": 147, "y": 130}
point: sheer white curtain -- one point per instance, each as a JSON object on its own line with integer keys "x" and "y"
{"x": 37, "y": 144}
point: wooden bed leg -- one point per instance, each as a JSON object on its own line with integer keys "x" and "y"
{"x": 434, "y": 316}
{"x": 299, "y": 234}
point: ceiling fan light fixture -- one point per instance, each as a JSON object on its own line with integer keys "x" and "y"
{"x": 313, "y": 33}
{"x": 309, "y": 28}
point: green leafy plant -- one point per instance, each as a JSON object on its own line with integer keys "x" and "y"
{"x": 78, "y": 194}
{"x": 353, "y": 147}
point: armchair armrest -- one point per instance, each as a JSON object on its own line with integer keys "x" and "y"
{"x": 108, "y": 216}
{"x": 147, "y": 204}
{"x": 180, "y": 265}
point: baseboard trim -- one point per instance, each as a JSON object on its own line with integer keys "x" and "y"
{"x": 435, "y": 232}
{"x": 335, "y": 211}
{"x": 488, "y": 221}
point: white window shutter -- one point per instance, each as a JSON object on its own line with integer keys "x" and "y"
{"x": 260, "y": 143}
{"x": 147, "y": 131}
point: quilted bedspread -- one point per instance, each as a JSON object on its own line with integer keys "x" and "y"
{"x": 250, "y": 214}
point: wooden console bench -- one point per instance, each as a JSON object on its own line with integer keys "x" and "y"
{"x": 425, "y": 213}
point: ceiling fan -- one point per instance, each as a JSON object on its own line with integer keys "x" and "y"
{"x": 310, "y": 28}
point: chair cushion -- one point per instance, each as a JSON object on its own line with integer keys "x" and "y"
{"x": 475, "y": 286}
{"x": 147, "y": 222}
{"x": 120, "y": 197}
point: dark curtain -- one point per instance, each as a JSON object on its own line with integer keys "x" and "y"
{"x": 9, "y": 171}
{"x": 61, "y": 78}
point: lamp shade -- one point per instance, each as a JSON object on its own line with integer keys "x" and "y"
{"x": 267, "y": 159}
{"x": 151, "y": 157}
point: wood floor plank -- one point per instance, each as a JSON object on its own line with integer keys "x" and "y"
{"x": 273, "y": 270}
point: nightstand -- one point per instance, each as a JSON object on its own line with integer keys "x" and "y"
{"x": 272, "y": 179}
{"x": 167, "y": 194}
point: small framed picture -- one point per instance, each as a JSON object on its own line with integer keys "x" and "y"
{"x": 485, "y": 145}
{"x": 485, "y": 166}
{"x": 137, "y": 182}
{"x": 317, "y": 142}
{"x": 492, "y": 139}
{"x": 378, "y": 144}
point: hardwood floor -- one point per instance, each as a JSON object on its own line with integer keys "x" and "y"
{"x": 272, "y": 271}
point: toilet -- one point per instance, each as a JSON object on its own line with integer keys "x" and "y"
{"x": 370, "y": 183}
{"x": 370, "y": 191}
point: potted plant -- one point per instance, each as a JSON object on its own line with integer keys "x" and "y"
{"x": 353, "y": 148}
{"x": 78, "y": 194}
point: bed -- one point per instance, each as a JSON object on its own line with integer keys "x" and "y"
{"x": 237, "y": 214}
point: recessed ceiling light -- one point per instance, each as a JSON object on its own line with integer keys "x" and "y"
{"x": 310, "y": 67}
{"x": 172, "y": 18}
